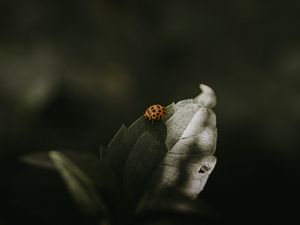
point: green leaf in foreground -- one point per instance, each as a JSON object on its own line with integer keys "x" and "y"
{"x": 38, "y": 159}
{"x": 81, "y": 187}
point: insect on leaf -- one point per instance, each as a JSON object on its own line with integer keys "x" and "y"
{"x": 176, "y": 152}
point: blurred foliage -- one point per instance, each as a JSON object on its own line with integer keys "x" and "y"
{"x": 71, "y": 73}
{"x": 148, "y": 167}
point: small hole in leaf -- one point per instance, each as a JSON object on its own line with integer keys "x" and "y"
{"x": 204, "y": 169}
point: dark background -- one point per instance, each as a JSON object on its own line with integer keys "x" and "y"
{"x": 71, "y": 72}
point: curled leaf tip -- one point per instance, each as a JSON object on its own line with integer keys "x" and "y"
{"x": 207, "y": 97}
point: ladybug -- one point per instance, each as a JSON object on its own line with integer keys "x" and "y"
{"x": 155, "y": 112}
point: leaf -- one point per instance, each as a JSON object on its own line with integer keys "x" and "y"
{"x": 43, "y": 160}
{"x": 86, "y": 177}
{"x": 188, "y": 164}
{"x": 184, "y": 111}
{"x": 179, "y": 154}
{"x": 123, "y": 142}
{"x": 144, "y": 160}
{"x": 139, "y": 167}
{"x": 116, "y": 153}
{"x": 38, "y": 159}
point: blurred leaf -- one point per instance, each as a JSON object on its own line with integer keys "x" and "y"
{"x": 81, "y": 187}
{"x": 85, "y": 177}
{"x": 90, "y": 180}
{"x": 38, "y": 159}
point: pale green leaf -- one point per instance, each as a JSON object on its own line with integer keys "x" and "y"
{"x": 123, "y": 142}
{"x": 189, "y": 162}
{"x": 179, "y": 154}
{"x": 38, "y": 159}
{"x": 82, "y": 187}
{"x": 140, "y": 166}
